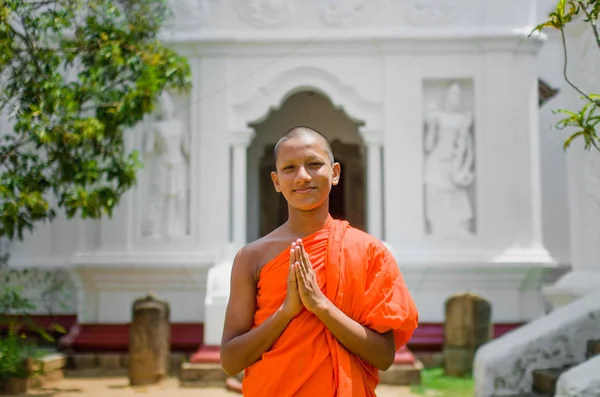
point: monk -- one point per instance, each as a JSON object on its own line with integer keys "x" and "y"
{"x": 316, "y": 307}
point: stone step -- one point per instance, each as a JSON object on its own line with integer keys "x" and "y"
{"x": 593, "y": 348}
{"x": 522, "y": 395}
{"x": 404, "y": 374}
{"x": 100, "y": 364}
{"x": 544, "y": 380}
{"x": 201, "y": 375}
{"x": 52, "y": 367}
{"x": 210, "y": 374}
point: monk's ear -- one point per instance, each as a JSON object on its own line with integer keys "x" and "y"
{"x": 336, "y": 171}
{"x": 275, "y": 180}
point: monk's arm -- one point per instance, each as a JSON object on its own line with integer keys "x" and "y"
{"x": 242, "y": 346}
{"x": 377, "y": 349}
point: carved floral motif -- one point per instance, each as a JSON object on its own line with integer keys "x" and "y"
{"x": 189, "y": 14}
{"x": 350, "y": 12}
{"x": 265, "y": 13}
{"x": 432, "y": 12}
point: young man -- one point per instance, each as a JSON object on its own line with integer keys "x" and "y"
{"x": 317, "y": 307}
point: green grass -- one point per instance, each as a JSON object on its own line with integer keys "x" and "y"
{"x": 435, "y": 384}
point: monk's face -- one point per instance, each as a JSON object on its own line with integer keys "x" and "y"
{"x": 304, "y": 172}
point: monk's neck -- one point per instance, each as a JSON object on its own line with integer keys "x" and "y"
{"x": 305, "y": 223}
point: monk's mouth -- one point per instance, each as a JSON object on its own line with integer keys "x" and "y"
{"x": 304, "y": 191}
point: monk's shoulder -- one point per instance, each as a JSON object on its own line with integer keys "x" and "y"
{"x": 359, "y": 244}
{"x": 360, "y": 240}
{"x": 249, "y": 255}
{"x": 259, "y": 252}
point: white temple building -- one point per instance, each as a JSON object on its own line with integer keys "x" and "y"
{"x": 433, "y": 110}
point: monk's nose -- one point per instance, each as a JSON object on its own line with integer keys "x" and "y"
{"x": 302, "y": 175}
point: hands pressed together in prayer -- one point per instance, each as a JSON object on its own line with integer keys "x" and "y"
{"x": 302, "y": 287}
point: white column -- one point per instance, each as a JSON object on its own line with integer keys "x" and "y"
{"x": 239, "y": 143}
{"x": 211, "y": 159}
{"x": 374, "y": 183}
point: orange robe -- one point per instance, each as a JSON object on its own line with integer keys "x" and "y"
{"x": 359, "y": 275}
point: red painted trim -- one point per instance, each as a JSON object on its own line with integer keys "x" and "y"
{"x": 207, "y": 354}
{"x": 404, "y": 356}
{"x": 187, "y": 337}
{"x": 430, "y": 336}
{"x": 45, "y": 321}
{"x": 115, "y": 337}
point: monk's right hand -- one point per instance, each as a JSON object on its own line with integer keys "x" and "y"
{"x": 292, "y": 304}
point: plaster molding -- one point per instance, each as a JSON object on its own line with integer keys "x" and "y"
{"x": 161, "y": 259}
{"x": 270, "y": 96}
{"x": 371, "y": 137}
{"x": 242, "y": 137}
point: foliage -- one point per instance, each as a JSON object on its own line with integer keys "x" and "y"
{"x": 74, "y": 76}
{"x": 15, "y": 352}
{"x": 435, "y": 383}
{"x": 585, "y": 120}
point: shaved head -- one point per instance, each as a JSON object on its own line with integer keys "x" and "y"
{"x": 302, "y": 131}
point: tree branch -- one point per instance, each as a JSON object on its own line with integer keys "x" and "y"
{"x": 7, "y": 101}
{"x": 591, "y": 22}
{"x": 23, "y": 140}
{"x": 566, "y": 60}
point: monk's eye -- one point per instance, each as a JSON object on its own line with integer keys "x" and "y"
{"x": 315, "y": 164}
{"x": 288, "y": 168}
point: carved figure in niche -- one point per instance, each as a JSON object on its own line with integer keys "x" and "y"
{"x": 449, "y": 170}
{"x": 167, "y": 146}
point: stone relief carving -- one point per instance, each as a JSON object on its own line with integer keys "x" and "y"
{"x": 265, "y": 13}
{"x": 432, "y": 12}
{"x": 449, "y": 165}
{"x": 167, "y": 148}
{"x": 189, "y": 14}
{"x": 349, "y": 12}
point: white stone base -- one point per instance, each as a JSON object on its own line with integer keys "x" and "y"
{"x": 109, "y": 284}
{"x": 504, "y": 365}
{"x": 217, "y": 296}
{"x": 581, "y": 381}
{"x": 572, "y": 286}
{"x": 514, "y": 290}
{"x": 513, "y": 287}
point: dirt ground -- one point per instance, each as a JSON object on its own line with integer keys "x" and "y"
{"x": 118, "y": 387}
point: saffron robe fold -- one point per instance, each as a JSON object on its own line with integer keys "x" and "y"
{"x": 360, "y": 276}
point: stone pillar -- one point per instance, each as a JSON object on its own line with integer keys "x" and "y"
{"x": 239, "y": 143}
{"x": 149, "y": 342}
{"x": 584, "y": 209}
{"x": 373, "y": 141}
{"x": 467, "y": 327}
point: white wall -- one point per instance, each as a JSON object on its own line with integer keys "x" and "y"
{"x": 555, "y": 211}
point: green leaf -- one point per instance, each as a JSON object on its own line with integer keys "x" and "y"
{"x": 68, "y": 130}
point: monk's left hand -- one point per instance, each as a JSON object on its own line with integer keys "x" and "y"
{"x": 310, "y": 293}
